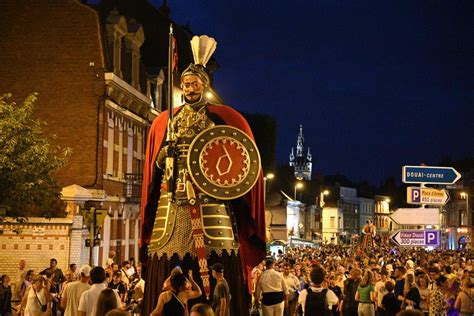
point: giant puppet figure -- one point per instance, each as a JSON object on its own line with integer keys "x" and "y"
{"x": 368, "y": 239}
{"x": 202, "y": 197}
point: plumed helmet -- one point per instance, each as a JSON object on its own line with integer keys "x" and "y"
{"x": 203, "y": 47}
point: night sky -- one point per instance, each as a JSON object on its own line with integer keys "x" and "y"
{"x": 375, "y": 84}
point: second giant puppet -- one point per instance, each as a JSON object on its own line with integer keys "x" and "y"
{"x": 214, "y": 211}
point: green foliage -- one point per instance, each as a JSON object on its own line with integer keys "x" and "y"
{"x": 27, "y": 162}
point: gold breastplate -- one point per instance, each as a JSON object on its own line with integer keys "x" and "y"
{"x": 189, "y": 122}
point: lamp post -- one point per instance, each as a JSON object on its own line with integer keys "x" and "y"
{"x": 321, "y": 198}
{"x": 268, "y": 177}
{"x": 465, "y": 196}
{"x": 298, "y": 185}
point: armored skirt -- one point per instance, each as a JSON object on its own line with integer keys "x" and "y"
{"x": 173, "y": 228}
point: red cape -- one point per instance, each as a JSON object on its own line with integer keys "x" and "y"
{"x": 251, "y": 219}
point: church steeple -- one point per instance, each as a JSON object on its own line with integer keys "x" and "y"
{"x": 300, "y": 143}
{"x": 302, "y": 164}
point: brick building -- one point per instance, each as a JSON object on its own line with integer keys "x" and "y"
{"x": 96, "y": 98}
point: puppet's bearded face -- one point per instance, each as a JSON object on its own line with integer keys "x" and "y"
{"x": 193, "y": 88}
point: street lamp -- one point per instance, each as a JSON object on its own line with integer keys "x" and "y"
{"x": 298, "y": 185}
{"x": 321, "y": 198}
{"x": 465, "y": 196}
{"x": 269, "y": 177}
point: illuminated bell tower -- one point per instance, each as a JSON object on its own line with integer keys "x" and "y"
{"x": 301, "y": 162}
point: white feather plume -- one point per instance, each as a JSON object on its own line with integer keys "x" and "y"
{"x": 203, "y": 47}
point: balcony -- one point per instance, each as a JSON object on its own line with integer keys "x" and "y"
{"x": 133, "y": 187}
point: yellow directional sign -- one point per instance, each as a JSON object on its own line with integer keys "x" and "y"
{"x": 429, "y": 196}
{"x": 89, "y": 217}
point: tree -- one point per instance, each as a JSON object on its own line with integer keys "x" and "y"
{"x": 27, "y": 162}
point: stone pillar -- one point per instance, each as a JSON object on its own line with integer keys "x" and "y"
{"x": 76, "y": 254}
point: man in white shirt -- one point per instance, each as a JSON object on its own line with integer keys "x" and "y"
{"x": 317, "y": 276}
{"x": 293, "y": 285}
{"x": 88, "y": 301}
{"x": 272, "y": 286}
{"x": 73, "y": 292}
{"x": 20, "y": 278}
{"x": 380, "y": 291}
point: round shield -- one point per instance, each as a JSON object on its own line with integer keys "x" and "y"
{"x": 224, "y": 162}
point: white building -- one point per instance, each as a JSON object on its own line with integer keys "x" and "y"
{"x": 332, "y": 219}
{"x": 366, "y": 211}
{"x": 295, "y": 219}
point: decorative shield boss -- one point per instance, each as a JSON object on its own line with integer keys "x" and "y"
{"x": 224, "y": 162}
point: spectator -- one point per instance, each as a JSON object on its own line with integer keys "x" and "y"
{"x": 365, "y": 294}
{"x": 5, "y": 296}
{"x": 72, "y": 293}
{"x": 57, "y": 274}
{"x": 20, "y": 278}
{"x": 349, "y": 303}
{"x": 411, "y": 293}
{"x": 88, "y": 300}
{"x": 70, "y": 277}
{"x": 117, "y": 312}
{"x": 273, "y": 288}
{"x": 110, "y": 259}
{"x": 173, "y": 302}
{"x": 410, "y": 312}
{"x": 201, "y": 310}
{"x": 389, "y": 300}
{"x": 118, "y": 285}
{"x": 317, "y": 299}
{"x": 293, "y": 285}
{"x": 399, "y": 284}
{"x": 465, "y": 299}
{"x": 338, "y": 291}
{"x": 133, "y": 268}
{"x": 125, "y": 278}
{"x": 106, "y": 302}
{"x": 380, "y": 292}
{"x": 27, "y": 283}
{"x": 36, "y": 300}
{"x": 221, "y": 295}
{"x": 73, "y": 270}
{"x": 422, "y": 284}
{"x": 435, "y": 273}
{"x": 53, "y": 290}
{"x": 438, "y": 304}
{"x": 136, "y": 292}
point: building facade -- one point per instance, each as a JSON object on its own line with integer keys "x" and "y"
{"x": 332, "y": 225}
{"x": 95, "y": 96}
{"x": 349, "y": 204}
{"x": 382, "y": 216}
{"x": 366, "y": 210}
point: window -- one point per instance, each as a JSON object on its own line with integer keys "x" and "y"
{"x": 332, "y": 222}
{"x": 130, "y": 150}
{"x": 110, "y": 147}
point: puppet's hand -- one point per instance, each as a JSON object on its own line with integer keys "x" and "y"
{"x": 166, "y": 151}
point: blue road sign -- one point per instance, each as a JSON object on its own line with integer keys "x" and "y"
{"x": 430, "y": 174}
{"x": 416, "y": 238}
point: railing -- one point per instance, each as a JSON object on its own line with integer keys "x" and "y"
{"x": 133, "y": 187}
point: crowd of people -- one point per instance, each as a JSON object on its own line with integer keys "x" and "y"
{"x": 377, "y": 281}
{"x": 332, "y": 280}
{"x": 113, "y": 290}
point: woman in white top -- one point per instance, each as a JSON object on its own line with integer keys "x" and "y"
{"x": 35, "y": 297}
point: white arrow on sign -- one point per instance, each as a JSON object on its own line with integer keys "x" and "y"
{"x": 416, "y": 216}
